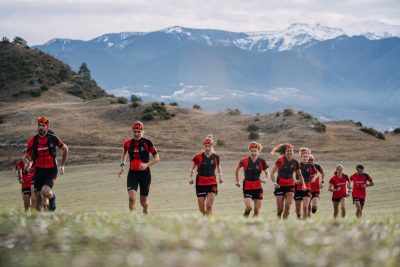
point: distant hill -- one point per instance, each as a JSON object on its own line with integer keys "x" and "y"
{"x": 311, "y": 67}
{"x": 27, "y": 73}
{"x": 96, "y": 129}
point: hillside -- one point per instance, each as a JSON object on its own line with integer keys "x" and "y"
{"x": 27, "y": 73}
{"x": 95, "y": 131}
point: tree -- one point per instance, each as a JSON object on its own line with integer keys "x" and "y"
{"x": 84, "y": 71}
{"x": 20, "y": 41}
{"x": 5, "y": 40}
{"x": 136, "y": 101}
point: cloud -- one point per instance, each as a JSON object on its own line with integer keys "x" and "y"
{"x": 41, "y": 20}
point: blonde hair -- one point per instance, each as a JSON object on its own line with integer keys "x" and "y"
{"x": 281, "y": 149}
{"x": 304, "y": 150}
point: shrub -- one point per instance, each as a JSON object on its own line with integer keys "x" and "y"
{"x": 173, "y": 104}
{"x": 253, "y": 127}
{"x": 373, "y": 132}
{"x": 1, "y": 118}
{"x": 35, "y": 93}
{"x": 320, "y": 127}
{"x": 288, "y": 112}
{"x": 253, "y": 136}
{"x": 148, "y": 117}
{"x": 307, "y": 116}
{"x": 359, "y": 124}
{"x": 257, "y": 119}
{"x": 396, "y": 131}
{"x": 277, "y": 114}
{"x": 195, "y": 106}
{"x": 136, "y": 99}
{"x": 220, "y": 142}
{"x": 233, "y": 111}
{"x": 44, "y": 87}
{"x": 122, "y": 100}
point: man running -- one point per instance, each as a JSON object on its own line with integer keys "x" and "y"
{"x": 41, "y": 149}
{"x": 361, "y": 181}
{"x": 139, "y": 149}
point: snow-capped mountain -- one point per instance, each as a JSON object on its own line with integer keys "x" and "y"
{"x": 372, "y": 30}
{"x": 308, "y": 66}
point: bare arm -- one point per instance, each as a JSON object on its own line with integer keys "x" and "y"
{"x": 272, "y": 175}
{"x": 237, "y": 182}
{"x": 20, "y": 179}
{"x": 123, "y": 160}
{"x": 370, "y": 183}
{"x": 266, "y": 172}
{"x": 154, "y": 160}
{"x": 64, "y": 157}
{"x": 191, "y": 181}
{"x": 331, "y": 188}
{"x": 298, "y": 173}
{"x": 219, "y": 170}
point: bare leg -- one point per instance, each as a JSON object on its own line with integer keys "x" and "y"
{"x": 132, "y": 199}
{"x": 335, "y": 209}
{"x": 279, "y": 206}
{"x": 257, "y": 206}
{"x": 27, "y": 201}
{"x": 343, "y": 206}
{"x": 306, "y": 204}
{"x": 145, "y": 204}
{"x": 298, "y": 208}
{"x": 210, "y": 203}
{"x": 39, "y": 201}
{"x": 288, "y": 203}
{"x": 202, "y": 204}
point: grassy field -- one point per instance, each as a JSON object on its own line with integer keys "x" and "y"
{"x": 92, "y": 225}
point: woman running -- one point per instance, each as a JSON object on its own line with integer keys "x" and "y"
{"x": 316, "y": 187}
{"x": 338, "y": 184}
{"x": 206, "y": 181}
{"x": 252, "y": 188}
{"x": 24, "y": 172}
{"x": 303, "y": 196}
{"x": 361, "y": 181}
{"x": 286, "y": 165}
{"x": 139, "y": 150}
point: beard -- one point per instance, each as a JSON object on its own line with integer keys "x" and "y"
{"x": 42, "y": 132}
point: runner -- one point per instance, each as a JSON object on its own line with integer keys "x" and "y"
{"x": 360, "y": 181}
{"x": 206, "y": 181}
{"x": 252, "y": 188}
{"x": 338, "y": 184}
{"x": 286, "y": 165}
{"x": 316, "y": 187}
{"x": 25, "y": 179}
{"x": 41, "y": 149}
{"x": 303, "y": 196}
{"x": 139, "y": 150}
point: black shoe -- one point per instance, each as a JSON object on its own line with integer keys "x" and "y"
{"x": 52, "y": 203}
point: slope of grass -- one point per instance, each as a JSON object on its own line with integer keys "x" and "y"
{"x": 92, "y": 226}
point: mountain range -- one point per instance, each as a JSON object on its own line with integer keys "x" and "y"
{"x": 350, "y": 72}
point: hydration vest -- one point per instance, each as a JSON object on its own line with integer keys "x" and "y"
{"x": 286, "y": 171}
{"x": 52, "y": 141}
{"x": 252, "y": 170}
{"x": 207, "y": 166}
{"x": 141, "y": 152}
{"x": 306, "y": 170}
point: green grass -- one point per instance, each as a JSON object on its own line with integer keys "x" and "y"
{"x": 92, "y": 226}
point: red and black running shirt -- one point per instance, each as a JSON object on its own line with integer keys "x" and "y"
{"x": 139, "y": 151}
{"x": 286, "y": 168}
{"x": 44, "y": 159}
{"x": 307, "y": 171}
{"x": 26, "y": 175}
{"x": 206, "y": 168}
{"x": 252, "y": 171}
{"x": 360, "y": 184}
{"x": 316, "y": 183}
{"x": 339, "y": 183}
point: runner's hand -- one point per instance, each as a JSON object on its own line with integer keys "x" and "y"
{"x": 143, "y": 166}
{"x": 220, "y": 180}
{"x": 277, "y": 186}
{"x": 191, "y": 181}
{"x": 20, "y": 180}
{"x": 263, "y": 181}
{"x": 62, "y": 169}
{"x": 120, "y": 172}
{"x": 237, "y": 184}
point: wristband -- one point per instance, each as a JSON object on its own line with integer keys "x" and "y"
{"x": 122, "y": 164}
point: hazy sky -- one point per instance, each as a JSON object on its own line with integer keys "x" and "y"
{"x": 38, "y": 21}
